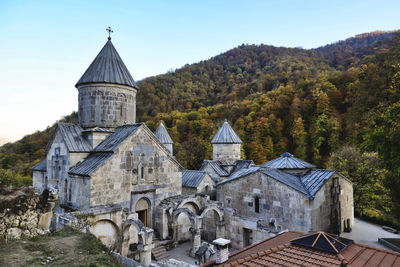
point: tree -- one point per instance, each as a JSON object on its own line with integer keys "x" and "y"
{"x": 366, "y": 172}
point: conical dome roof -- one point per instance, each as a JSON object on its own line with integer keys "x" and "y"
{"x": 226, "y": 135}
{"x": 162, "y": 135}
{"x": 107, "y": 67}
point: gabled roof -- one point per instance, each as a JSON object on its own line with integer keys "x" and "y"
{"x": 216, "y": 166}
{"x": 115, "y": 139}
{"x": 308, "y": 184}
{"x": 73, "y": 137}
{"x": 287, "y": 161}
{"x": 226, "y": 135}
{"x": 107, "y": 67}
{"x": 41, "y": 166}
{"x": 192, "y": 178}
{"x": 106, "y": 148}
{"x": 162, "y": 134}
{"x": 90, "y": 164}
{"x": 241, "y": 164}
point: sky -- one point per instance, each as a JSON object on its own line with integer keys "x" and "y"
{"x": 47, "y": 45}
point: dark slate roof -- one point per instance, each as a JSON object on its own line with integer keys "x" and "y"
{"x": 308, "y": 184}
{"x": 192, "y": 178}
{"x": 216, "y": 165}
{"x": 73, "y": 137}
{"x": 226, "y": 135}
{"x": 287, "y": 161}
{"x": 107, "y": 67}
{"x": 116, "y": 138}
{"x": 90, "y": 164}
{"x": 315, "y": 179}
{"x": 41, "y": 166}
{"x": 240, "y": 164}
{"x": 162, "y": 135}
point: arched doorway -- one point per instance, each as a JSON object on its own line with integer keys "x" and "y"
{"x": 143, "y": 209}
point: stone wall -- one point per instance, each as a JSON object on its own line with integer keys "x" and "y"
{"x": 106, "y": 105}
{"x": 139, "y": 166}
{"x": 321, "y": 205}
{"x": 24, "y": 213}
{"x": 236, "y": 227}
{"x": 278, "y": 204}
{"x": 227, "y": 153}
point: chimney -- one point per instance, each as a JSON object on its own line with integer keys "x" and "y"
{"x": 222, "y": 250}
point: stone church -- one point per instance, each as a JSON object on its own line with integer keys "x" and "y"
{"x": 126, "y": 180}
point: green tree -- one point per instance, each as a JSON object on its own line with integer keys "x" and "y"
{"x": 366, "y": 172}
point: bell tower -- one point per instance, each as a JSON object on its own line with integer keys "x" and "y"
{"x": 226, "y": 145}
{"x": 107, "y": 91}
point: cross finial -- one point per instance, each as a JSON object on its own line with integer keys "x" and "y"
{"x": 109, "y": 32}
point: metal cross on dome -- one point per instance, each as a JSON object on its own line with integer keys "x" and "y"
{"x": 109, "y": 32}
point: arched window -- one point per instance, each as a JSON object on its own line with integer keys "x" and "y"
{"x": 257, "y": 204}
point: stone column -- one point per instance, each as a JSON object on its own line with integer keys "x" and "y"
{"x": 176, "y": 228}
{"x": 146, "y": 234}
{"x": 220, "y": 231}
{"x": 196, "y": 236}
{"x": 196, "y": 240}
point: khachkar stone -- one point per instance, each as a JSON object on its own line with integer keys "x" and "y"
{"x": 107, "y": 92}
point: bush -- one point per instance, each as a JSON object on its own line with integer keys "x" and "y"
{"x": 9, "y": 177}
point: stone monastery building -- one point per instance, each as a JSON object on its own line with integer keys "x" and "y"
{"x": 126, "y": 178}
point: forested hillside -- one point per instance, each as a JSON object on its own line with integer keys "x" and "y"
{"x": 341, "y": 99}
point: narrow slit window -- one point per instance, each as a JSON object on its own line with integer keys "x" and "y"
{"x": 257, "y": 204}
{"x": 142, "y": 172}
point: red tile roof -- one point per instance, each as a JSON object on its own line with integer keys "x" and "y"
{"x": 278, "y": 251}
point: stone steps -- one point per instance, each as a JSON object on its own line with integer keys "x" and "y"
{"x": 159, "y": 253}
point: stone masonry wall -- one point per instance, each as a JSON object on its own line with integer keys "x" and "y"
{"x": 140, "y": 165}
{"x": 279, "y": 204}
{"x": 106, "y": 105}
{"x": 321, "y": 206}
{"x": 24, "y": 213}
{"x": 226, "y": 152}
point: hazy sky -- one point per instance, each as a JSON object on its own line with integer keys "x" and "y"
{"x": 47, "y": 45}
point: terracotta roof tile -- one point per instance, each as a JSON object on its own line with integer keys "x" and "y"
{"x": 276, "y": 251}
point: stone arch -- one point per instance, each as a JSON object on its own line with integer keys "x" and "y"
{"x": 212, "y": 223}
{"x": 177, "y": 231}
{"x": 203, "y": 211}
{"x": 107, "y": 231}
{"x": 143, "y": 209}
{"x": 193, "y": 201}
{"x": 130, "y": 235}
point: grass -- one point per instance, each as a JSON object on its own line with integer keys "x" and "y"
{"x": 66, "y": 247}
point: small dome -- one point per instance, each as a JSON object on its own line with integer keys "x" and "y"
{"x": 226, "y": 135}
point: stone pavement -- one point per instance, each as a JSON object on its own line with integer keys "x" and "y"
{"x": 368, "y": 233}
